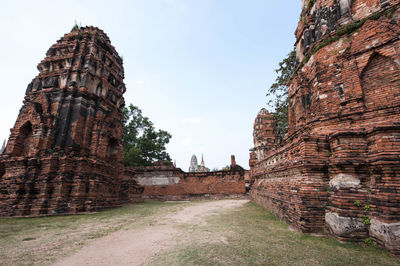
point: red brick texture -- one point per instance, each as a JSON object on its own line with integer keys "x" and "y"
{"x": 338, "y": 168}
{"x": 64, "y": 154}
{"x": 171, "y": 183}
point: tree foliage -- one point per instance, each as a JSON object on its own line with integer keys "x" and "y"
{"x": 143, "y": 144}
{"x": 279, "y": 91}
{"x": 226, "y": 168}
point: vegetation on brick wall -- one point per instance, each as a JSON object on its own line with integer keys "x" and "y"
{"x": 346, "y": 30}
{"x": 279, "y": 92}
{"x": 310, "y": 4}
{"x": 143, "y": 145}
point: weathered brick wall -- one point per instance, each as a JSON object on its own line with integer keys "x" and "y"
{"x": 338, "y": 167}
{"x": 291, "y": 182}
{"x": 174, "y": 184}
{"x": 64, "y": 154}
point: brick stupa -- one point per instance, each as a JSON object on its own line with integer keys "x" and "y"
{"x": 64, "y": 154}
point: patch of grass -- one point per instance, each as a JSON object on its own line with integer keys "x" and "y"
{"x": 28, "y": 239}
{"x": 57, "y": 236}
{"x": 253, "y": 236}
{"x": 245, "y": 236}
{"x": 369, "y": 241}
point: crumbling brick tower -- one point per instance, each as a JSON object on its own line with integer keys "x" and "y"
{"x": 338, "y": 168}
{"x": 265, "y": 137}
{"x": 64, "y": 154}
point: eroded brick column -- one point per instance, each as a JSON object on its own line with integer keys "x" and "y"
{"x": 64, "y": 154}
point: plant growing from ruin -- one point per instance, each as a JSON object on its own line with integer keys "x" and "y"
{"x": 369, "y": 241}
{"x": 279, "y": 91}
{"x": 310, "y": 4}
{"x": 346, "y": 30}
{"x": 49, "y": 152}
{"x": 367, "y": 208}
{"x": 76, "y": 27}
{"x": 366, "y": 220}
{"x": 143, "y": 145}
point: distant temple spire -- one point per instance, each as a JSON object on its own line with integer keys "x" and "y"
{"x": 193, "y": 164}
{"x": 202, "y": 167}
{"x": 194, "y": 167}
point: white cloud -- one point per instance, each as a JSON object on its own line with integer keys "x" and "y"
{"x": 139, "y": 81}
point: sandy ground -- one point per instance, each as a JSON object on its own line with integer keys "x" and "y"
{"x": 136, "y": 247}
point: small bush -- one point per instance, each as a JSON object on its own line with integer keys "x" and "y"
{"x": 369, "y": 241}
{"x": 367, "y": 208}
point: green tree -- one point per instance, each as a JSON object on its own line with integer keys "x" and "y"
{"x": 279, "y": 91}
{"x": 143, "y": 145}
{"x": 226, "y": 168}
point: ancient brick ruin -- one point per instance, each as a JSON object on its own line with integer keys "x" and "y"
{"x": 338, "y": 168}
{"x": 167, "y": 182}
{"x": 64, "y": 154}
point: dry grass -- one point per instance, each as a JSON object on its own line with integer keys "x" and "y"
{"x": 245, "y": 236}
{"x": 41, "y": 241}
{"x": 252, "y": 236}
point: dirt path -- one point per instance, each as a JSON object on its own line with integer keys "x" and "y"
{"x": 135, "y": 247}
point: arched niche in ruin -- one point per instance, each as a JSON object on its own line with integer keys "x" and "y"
{"x": 2, "y": 170}
{"x": 23, "y": 145}
{"x": 380, "y": 81}
{"x": 112, "y": 149}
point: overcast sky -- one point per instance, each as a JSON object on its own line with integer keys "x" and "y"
{"x": 197, "y": 68}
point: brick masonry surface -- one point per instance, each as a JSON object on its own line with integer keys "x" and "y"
{"x": 170, "y": 183}
{"x": 64, "y": 154}
{"x": 338, "y": 168}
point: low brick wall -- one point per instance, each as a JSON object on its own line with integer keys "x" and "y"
{"x": 170, "y": 183}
